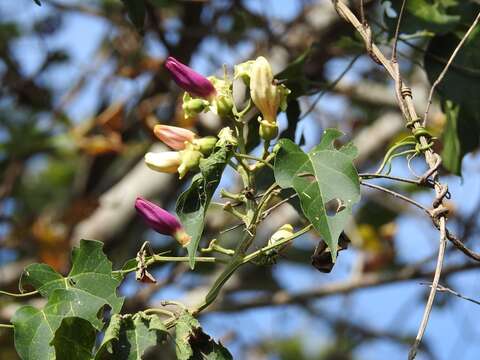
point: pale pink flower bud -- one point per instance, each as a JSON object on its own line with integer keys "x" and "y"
{"x": 174, "y": 136}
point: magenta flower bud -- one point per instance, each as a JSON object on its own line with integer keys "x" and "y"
{"x": 161, "y": 220}
{"x": 189, "y": 80}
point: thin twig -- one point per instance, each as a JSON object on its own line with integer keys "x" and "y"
{"x": 431, "y": 296}
{"x": 396, "y": 178}
{"x": 330, "y": 86}
{"x": 397, "y": 31}
{"x": 441, "y": 288}
{"x": 445, "y": 69}
{"x": 461, "y": 246}
{"x": 397, "y": 195}
{"x": 362, "y": 12}
{"x": 270, "y": 209}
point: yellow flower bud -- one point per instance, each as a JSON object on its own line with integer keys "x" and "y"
{"x": 266, "y": 95}
{"x": 283, "y": 232}
{"x": 167, "y": 161}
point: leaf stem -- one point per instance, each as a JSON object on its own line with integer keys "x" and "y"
{"x": 259, "y": 252}
{"x": 250, "y": 157}
{"x": 159, "y": 258}
{"x": 20, "y": 294}
{"x": 159, "y": 311}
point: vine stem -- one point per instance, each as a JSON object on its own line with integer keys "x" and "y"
{"x": 259, "y": 252}
{"x": 397, "y": 195}
{"x": 447, "y": 65}
{"x": 159, "y": 258}
{"x": 20, "y": 294}
{"x": 6, "y": 326}
{"x": 405, "y": 102}
{"x": 390, "y": 177}
{"x": 246, "y": 156}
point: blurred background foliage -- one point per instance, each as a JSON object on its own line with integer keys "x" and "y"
{"x": 83, "y": 84}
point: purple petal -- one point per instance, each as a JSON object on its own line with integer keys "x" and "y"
{"x": 157, "y": 218}
{"x": 188, "y": 79}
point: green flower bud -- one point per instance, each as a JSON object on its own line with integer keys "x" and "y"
{"x": 189, "y": 160}
{"x": 206, "y": 144}
{"x": 222, "y": 103}
{"x": 193, "y": 106}
{"x": 267, "y": 130}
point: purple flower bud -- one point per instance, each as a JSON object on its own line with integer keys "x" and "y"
{"x": 189, "y": 80}
{"x": 157, "y": 218}
{"x": 161, "y": 220}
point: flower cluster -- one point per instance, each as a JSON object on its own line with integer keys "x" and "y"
{"x": 187, "y": 148}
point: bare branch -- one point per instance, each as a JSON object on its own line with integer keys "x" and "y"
{"x": 436, "y": 278}
{"x": 342, "y": 287}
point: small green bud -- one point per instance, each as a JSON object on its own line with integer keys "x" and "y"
{"x": 268, "y": 130}
{"x": 189, "y": 160}
{"x": 222, "y": 103}
{"x": 206, "y": 144}
{"x": 193, "y": 106}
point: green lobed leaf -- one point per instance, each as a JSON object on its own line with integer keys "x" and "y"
{"x": 129, "y": 336}
{"x": 193, "y": 202}
{"x": 458, "y": 92}
{"x": 74, "y": 339}
{"x": 192, "y": 343}
{"x": 320, "y": 177}
{"x": 91, "y": 272}
{"x": 35, "y": 329}
{"x": 88, "y": 288}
